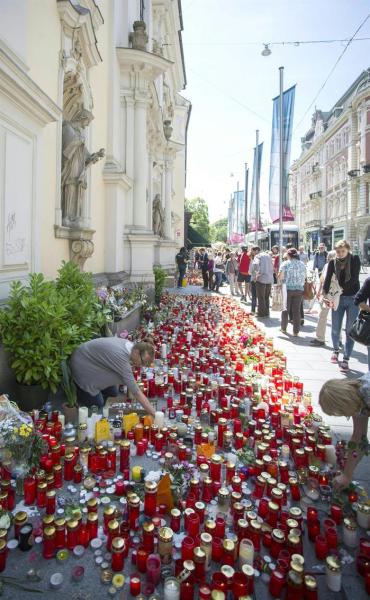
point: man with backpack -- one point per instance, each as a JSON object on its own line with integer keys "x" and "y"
{"x": 181, "y": 262}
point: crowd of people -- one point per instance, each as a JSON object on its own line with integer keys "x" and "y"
{"x": 257, "y": 276}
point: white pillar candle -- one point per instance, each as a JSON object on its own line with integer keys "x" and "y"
{"x": 246, "y": 553}
{"x": 330, "y": 455}
{"x": 159, "y": 419}
{"x": 171, "y": 589}
{"x": 62, "y": 420}
{"x": 83, "y": 413}
{"x": 285, "y": 451}
{"x": 106, "y": 412}
{"x": 164, "y": 350}
{"x": 189, "y": 336}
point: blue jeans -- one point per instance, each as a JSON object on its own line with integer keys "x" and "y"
{"x": 86, "y": 399}
{"x": 218, "y": 279}
{"x": 368, "y": 357}
{"x": 254, "y": 296}
{"x": 346, "y": 307}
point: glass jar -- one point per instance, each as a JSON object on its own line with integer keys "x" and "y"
{"x": 113, "y": 531}
{"x": 133, "y": 511}
{"x": 92, "y": 525}
{"x": 150, "y": 498}
{"x": 333, "y": 574}
{"x": 60, "y": 533}
{"x": 72, "y": 534}
{"x": 228, "y": 553}
{"x": 148, "y": 537}
{"x": 349, "y": 533}
{"x": 199, "y": 558}
{"x": 117, "y": 550}
{"x": 165, "y": 537}
{"x": 48, "y": 549}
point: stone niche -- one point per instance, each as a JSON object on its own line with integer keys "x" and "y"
{"x": 79, "y": 53}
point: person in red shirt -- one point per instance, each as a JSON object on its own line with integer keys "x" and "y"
{"x": 243, "y": 275}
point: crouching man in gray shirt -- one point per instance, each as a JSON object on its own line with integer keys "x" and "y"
{"x": 99, "y": 365}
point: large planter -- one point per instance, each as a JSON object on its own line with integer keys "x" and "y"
{"x": 129, "y": 322}
{"x": 30, "y": 397}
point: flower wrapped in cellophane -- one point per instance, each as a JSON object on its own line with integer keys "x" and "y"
{"x": 21, "y": 445}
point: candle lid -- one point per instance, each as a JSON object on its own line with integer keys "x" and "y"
{"x": 118, "y": 581}
{"x": 333, "y": 564}
{"x": 248, "y": 570}
{"x": 310, "y": 582}
{"x": 56, "y": 580}
{"x": 62, "y": 555}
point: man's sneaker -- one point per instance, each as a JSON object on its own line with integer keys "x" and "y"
{"x": 316, "y": 342}
{"x": 334, "y": 358}
{"x": 344, "y": 367}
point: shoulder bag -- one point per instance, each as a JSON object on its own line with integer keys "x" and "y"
{"x": 360, "y": 330}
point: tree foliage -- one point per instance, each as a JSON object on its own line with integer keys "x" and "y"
{"x": 219, "y": 230}
{"x": 200, "y": 217}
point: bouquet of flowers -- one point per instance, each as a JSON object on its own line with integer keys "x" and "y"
{"x": 21, "y": 445}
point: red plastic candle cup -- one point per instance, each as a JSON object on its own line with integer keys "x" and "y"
{"x": 219, "y": 582}
{"x": 41, "y": 495}
{"x": 29, "y": 490}
{"x": 140, "y": 448}
{"x": 217, "y": 549}
{"x": 220, "y": 527}
{"x": 48, "y": 549}
{"x": 365, "y": 547}
{"x": 332, "y": 538}
{"x": 240, "y": 585}
{"x": 187, "y": 548}
{"x": 141, "y": 558}
{"x": 150, "y": 498}
{"x": 336, "y": 513}
{"x": 50, "y": 502}
{"x": 193, "y": 524}
{"x": 367, "y": 583}
{"x": 205, "y": 592}
{"x": 276, "y": 584}
{"x": 135, "y": 585}
{"x": 153, "y": 569}
{"x": 321, "y": 547}
{"x": 186, "y": 591}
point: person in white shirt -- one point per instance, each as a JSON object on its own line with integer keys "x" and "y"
{"x": 319, "y": 339}
{"x": 218, "y": 269}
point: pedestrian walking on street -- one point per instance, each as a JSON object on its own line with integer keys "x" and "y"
{"x": 303, "y": 256}
{"x": 293, "y": 274}
{"x": 218, "y": 270}
{"x": 231, "y": 269}
{"x": 362, "y": 300}
{"x": 203, "y": 265}
{"x": 211, "y": 264}
{"x": 181, "y": 262}
{"x": 346, "y": 268}
{"x": 319, "y": 339}
{"x": 243, "y": 275}
{"x": 262, "y": 271}
{"x": 275, "y": 261}
{"x": 320, "y": 259}
{"x": 253, "y": 253}
{"x": 349, "y": 398}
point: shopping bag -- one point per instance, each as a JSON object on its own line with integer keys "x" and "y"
{"x": 184, "y": 282}
{"x": 277, "y": 297}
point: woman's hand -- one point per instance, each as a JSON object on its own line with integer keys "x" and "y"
{"x": 340, "y": 482}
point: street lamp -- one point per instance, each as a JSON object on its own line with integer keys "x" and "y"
{"x": 266, "y": 51}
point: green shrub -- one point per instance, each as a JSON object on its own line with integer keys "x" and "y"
{"x": 159, "y": 280}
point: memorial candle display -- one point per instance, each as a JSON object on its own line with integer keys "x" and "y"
{"x": 232, "y": 478}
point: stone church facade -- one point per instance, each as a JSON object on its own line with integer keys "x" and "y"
{"x": 92, "y": 137}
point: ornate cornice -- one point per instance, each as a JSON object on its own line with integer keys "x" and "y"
{"x": 85, "y": 21}
{"x": 149, "y": 65}
{"x": 24, "y": 92}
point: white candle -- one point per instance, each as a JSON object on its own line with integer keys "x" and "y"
{"x": 363, "y": 516}
{"x": 62, "y": 420}
{"x": 106, "y": 412}
{"x": 164, "y": 350}
{"x": 159, "y": 419}
{"x": 330, "y": 455}
{"x": 171, "y": 589}
{"x": 189, "y": 336}
{"x": 246, "y": 553}
{"x": 83, "y": 413}
{"x": 333, "y": 574}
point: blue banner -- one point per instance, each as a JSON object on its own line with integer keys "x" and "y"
{"x": 274, "y": 191}
{"x": 254, "y": 220}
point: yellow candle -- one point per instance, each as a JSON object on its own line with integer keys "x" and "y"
{"x": 136, "y": 473}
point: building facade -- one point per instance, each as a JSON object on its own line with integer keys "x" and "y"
{"x": 330, "y": 182}
{"x": 92, "y": 137}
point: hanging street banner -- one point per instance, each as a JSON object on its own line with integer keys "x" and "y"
{"x": 288, "y": 111}
{"x": 253, "y": 220}
{"x": 237, "y": 218}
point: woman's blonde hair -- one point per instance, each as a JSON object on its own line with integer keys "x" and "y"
{"x": 341, "y": 397}
{"x": 145, "y": 347}
{"x": 343, "y": 244}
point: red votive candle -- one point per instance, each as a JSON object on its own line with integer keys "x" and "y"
{"x": 135, "y": 585}
{"x": 29, "y": 490}
{"x": 187, "y": 548}
{"x": 276, "y": 584}
{"x": 150, "y": 498}
{"x": 321, "y": 547}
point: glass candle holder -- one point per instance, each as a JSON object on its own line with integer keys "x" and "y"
{"x": 246, "y": 553}
{"x": 321, "y": 547}
{"x": 117, "y": 551}
{"x": 171, "y": 589}
{"x": 72, "y": 534}
{"x": 165, "y": 537}
{"x": 48, "y": 550}
{"x": 29, "y": 487}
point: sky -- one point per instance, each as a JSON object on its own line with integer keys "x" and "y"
{"x": 231, "y": 86}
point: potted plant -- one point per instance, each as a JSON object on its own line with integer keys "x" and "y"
{"x": 70, "y": 391}
{"x": 37, "y": 335}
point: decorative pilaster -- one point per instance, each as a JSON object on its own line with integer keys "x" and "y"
{"x": 168, "y": 197}
{"x": 140, "y": 164}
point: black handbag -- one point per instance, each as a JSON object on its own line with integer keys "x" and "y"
{"x": 360, "y": 330}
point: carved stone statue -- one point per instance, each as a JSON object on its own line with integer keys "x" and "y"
{"x": 158, "y": 216}
{"x": 75, "y": 161}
